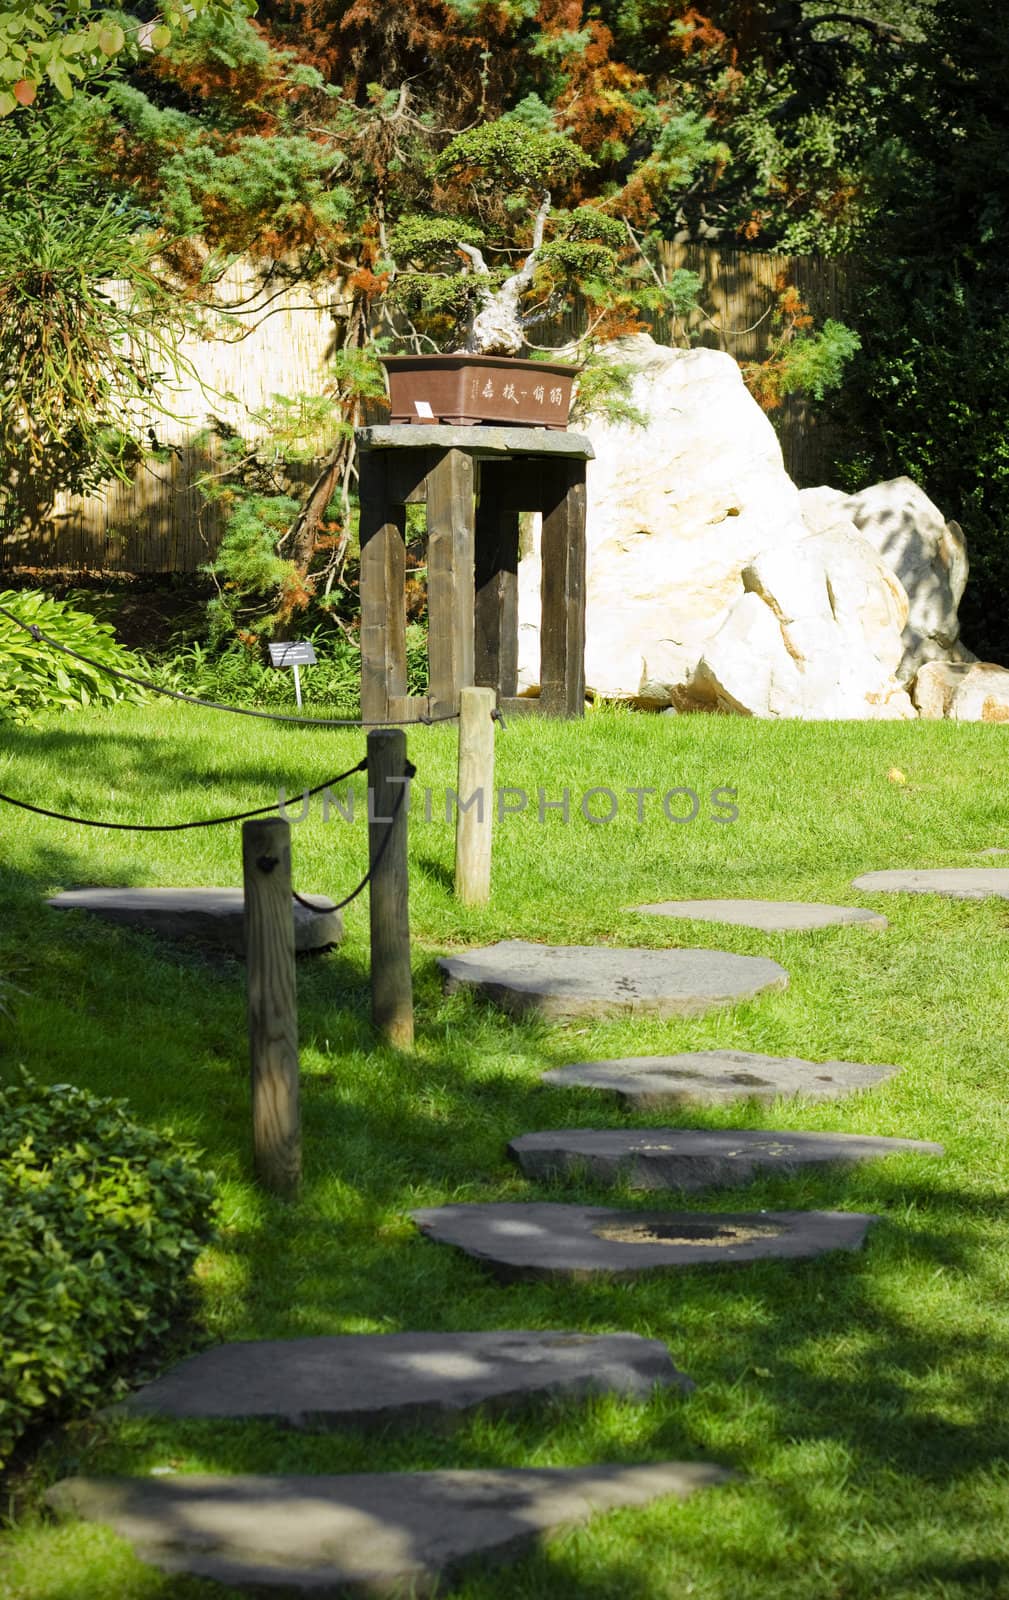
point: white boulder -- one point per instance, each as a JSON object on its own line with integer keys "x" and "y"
{"x": 675, "y": 511}
{"x": 816, "y": 634}
{"x": 927, "y": 554}
{"x": 713, "y": 582}
{"x": 962, "y": 691}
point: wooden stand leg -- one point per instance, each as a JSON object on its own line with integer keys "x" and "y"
{"x": 495, "y": 658}
{"x": 562, "y": 631}
{"x": 450, "y": 578}
{"x": 383, "y": 591}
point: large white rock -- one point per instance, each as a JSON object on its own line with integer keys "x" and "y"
{"x": 675, "y": 511}
{"x": 963, "y": 692}
{"x": 712, "y": 582}
{"x": 928, "y": 555}
{"x": 817, "y": 633}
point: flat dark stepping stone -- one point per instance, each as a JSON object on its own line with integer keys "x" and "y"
{"x": 957, "y": 883}
{"x": 714, "y": 1077}
{"x": 363, "y": 1533}
{"x": 561, "y": 981}
{"x": 770, "y": 916}
{"x": 540, "y": 1240}
{"x": 366, "y": 1379}
{"x": 214, "y": 917}
{"x": 688, "y": 1158}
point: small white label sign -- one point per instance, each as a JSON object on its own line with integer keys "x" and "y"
{"x": 423, "y": 408}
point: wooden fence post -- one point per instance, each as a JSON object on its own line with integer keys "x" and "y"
{"x": 273, "y": 1004}
{"x": 475, "y": 796}
{"x": 391, "y": 979}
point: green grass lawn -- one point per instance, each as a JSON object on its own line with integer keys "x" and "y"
{"x": 863, "y": 1400}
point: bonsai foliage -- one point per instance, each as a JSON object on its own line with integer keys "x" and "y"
{"x": 453, "y": 274}
{"x": 801, "y": 359}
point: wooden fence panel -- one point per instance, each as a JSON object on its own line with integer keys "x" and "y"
{"x": 160, "y": 522}
{"x": 739, "y": 292}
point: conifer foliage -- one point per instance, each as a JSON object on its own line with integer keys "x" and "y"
{"x": 437, "y": 160}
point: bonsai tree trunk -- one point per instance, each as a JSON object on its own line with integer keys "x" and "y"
{"x": 498, "y": 327}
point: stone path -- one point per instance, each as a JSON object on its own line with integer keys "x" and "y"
{"x": 770, "y": 916}
{"x": 715, "y": 1077}
{"x": 541, "y": 1240}
{"x": 563, "y": 981}
{"x": 214, "y": 917}
{"x": 367, "y": 1380}
{"x": 370, "y": 1533}
{"x": 384, "y": 1532}
{"x": 685, "y": 1158}
{"x": 958, "y": 883}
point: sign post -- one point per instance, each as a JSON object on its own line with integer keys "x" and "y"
{"x": 296, "y": 654}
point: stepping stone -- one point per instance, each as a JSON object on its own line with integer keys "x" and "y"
{"x": 374, "y": 1379}
{"x": 360, "y": 1533}
{"x": 561, "y": 981}
{"x": 688, "y": 1158}
{"x": 535, "y": 1239}
{"x": 770, "y": 916}
{"x": 715, "y": 1077}
{"x": 994, "y": 850}
{"x": 957, "y": 883}
{"x": 214, "y": 917}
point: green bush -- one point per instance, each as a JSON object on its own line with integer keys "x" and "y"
{"x": 35, "y": 677}
{"x": 239, "y": 674}
{"x": 103, "y": 1220}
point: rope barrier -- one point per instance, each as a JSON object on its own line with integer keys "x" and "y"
{"x": 176, "y": 827}
{"x": 212, "y": 705}
{"x": 410, "y": 771}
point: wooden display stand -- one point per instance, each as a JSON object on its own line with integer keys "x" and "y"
{"x": 475, "y": 481}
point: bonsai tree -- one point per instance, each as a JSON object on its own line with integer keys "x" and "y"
{"x": 497, "y": 257}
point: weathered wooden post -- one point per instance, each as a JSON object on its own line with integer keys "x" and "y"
{"x": 475, "y": 796}
{"x": 391, "y": 979}
{"x": 273, "y": 1004}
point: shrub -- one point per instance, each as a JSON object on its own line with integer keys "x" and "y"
{"x": 103, "y": 1220}
{"x": 35, "y": 677}
{"x": 239, "y": 674}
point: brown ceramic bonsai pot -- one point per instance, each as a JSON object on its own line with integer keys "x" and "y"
{"x": 468, "y": 390}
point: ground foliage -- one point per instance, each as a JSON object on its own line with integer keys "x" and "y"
{"x": 36, "y": 676}
{"x": 103, "y": 1220}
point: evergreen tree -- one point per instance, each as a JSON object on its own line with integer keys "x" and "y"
{"x": 377, "y": 147}
{"x": 929, "y": 395}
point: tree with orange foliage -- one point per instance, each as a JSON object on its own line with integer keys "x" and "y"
{"x": 320, "y": 141}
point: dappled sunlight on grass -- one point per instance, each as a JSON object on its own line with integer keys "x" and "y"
{"x": 862, "y": 1398}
